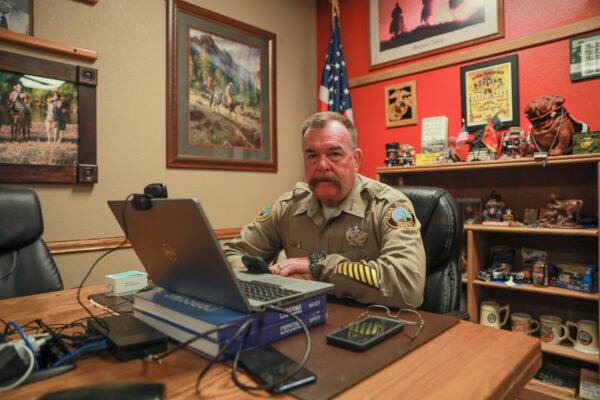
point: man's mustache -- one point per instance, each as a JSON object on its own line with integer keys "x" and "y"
{"x": 318, "y": 179}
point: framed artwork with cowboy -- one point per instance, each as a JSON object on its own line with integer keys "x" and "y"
{"x": 220, "y": 92}
{"x": 403, "y": 30}
{"x": 47, "y": 121}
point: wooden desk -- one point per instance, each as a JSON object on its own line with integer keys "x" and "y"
{"x": 468, "y": 361}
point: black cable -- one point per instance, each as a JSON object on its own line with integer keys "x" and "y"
{"x": 103, "y": 323}
{"x": 244, "y": 329}
{"x": 159, "y": 359}
{"x": 291, "y": 374}
{"x": 12, "y": 268}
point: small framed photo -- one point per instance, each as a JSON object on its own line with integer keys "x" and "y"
{"x": 17, "y": 16}
{"x": 489, "y": 88}
{"x": 585, "y": 57}
{"x": 401, "y": 104}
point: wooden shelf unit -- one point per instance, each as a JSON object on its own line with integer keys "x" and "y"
{"x": 552, "y": 291}
{"x": 570, "y": 352}
{"x": 538, "y": 390}
{"x": 522, "y": 183}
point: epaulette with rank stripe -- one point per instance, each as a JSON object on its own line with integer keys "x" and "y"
{"x": 359, "y": 272}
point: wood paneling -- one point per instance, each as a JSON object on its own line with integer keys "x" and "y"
{"x": 101, "y": 244}
{"x": 46, "y": 45}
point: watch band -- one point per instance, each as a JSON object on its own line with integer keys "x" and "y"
{"x": 314, "y": 258}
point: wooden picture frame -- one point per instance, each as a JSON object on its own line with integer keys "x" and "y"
{"x": 584, "y": 57}
{"x": 221, "y": 105}
{"x": 401, "y": 104}
{"x": 20, "y": 16}
{"x": 403, "y": 30}
{"x": 49, "y": 135}
{"x": 488, "y": 88}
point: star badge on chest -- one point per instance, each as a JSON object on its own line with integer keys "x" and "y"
{"x": 356, "y": 236}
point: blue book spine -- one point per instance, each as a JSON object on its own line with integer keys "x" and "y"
{"x": 279, "y": 330}
{"x": 198, "y": 309}
{"x": 305, "y": 306}
{"x": 217, "y": 315}
{"x": 259, "y": 335}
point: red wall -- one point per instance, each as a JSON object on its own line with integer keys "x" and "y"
{"x": 543, "y": 70}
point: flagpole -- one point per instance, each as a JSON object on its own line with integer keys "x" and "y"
{"x": 335, "y": 10}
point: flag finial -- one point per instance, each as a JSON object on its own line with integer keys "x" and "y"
{"x": 335, "y": 7}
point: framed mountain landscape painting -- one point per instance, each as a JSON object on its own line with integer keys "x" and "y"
{"x": 220, "y": 92}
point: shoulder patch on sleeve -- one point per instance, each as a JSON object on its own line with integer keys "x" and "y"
{"x": 266, "y": 213}
{"x": 400, "y": 215}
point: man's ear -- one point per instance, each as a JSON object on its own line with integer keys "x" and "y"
{"x": 357, "y": 158}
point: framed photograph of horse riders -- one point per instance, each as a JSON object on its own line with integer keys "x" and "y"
{"x": 47, "y": 121}
{"x": 403, "y": 30}
{"x": 220, "y": 92}
{"x": 488, "y": 88}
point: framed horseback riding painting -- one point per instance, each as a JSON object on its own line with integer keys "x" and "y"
{"x": 47, "y": 121}
{"x": 403, "y": 30}
{"x": 220, "y": 92}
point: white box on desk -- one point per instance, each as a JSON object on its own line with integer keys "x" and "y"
{"x": 125, "y": 282}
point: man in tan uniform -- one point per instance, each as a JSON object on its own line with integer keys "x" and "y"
{"x": 341, "y": 227}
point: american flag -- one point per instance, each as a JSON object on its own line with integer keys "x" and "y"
{"x": 463, "y": 135}
{"x": 334, "y": 94}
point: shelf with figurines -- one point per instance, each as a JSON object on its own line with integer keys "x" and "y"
{"x": 558, "y": 217}
{"x": 555, "y": 138}
{"x": 546, "y": 265}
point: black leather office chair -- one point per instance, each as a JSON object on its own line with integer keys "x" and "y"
{"x": 441, "y": 229}
{"x": 26, "y": 266}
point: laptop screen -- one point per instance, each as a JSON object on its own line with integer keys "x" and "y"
{"x": 177, "y": 246}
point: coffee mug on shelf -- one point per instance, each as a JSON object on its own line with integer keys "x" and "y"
{"x": 490, "y": 314}
{"x": 552, "y": 330}
{"x": 523, "y": 323}
{"x": 586, "y": 340}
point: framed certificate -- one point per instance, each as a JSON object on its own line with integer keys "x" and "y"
{"x": 490, "y": 88}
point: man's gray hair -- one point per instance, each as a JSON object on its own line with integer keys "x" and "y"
{"x": 321, "y": 119}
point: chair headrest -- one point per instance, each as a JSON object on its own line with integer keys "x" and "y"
{"x": 441, "y": 227}
{"x": 21, "y": 220}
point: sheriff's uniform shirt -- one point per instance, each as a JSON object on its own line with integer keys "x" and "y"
{"x": 373, "y": 242}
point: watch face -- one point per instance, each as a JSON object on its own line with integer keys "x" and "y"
{"x": 317, "y": 256}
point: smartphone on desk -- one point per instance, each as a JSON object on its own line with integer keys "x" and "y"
{"x": 365, "y": 333}
{"x": 266, "y": 365}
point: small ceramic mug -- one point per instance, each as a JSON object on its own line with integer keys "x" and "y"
{"x": 586, "y": 340}
{"x": 551, "y": 328}
{"x": 490, "y": 314}
{"x": 523, "y": 323}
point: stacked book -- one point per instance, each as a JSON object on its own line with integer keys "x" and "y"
{"x": 182, "y": 318}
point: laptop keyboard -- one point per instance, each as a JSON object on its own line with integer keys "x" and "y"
{"x": 263, "y": 291}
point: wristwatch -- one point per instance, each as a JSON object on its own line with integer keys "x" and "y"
{"x": 314, "y": 258}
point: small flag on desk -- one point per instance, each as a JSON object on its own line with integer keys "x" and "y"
{"x": 489, "y": 138}
{"x": 463, "y": 135}
{"x": 334, "y": 94}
